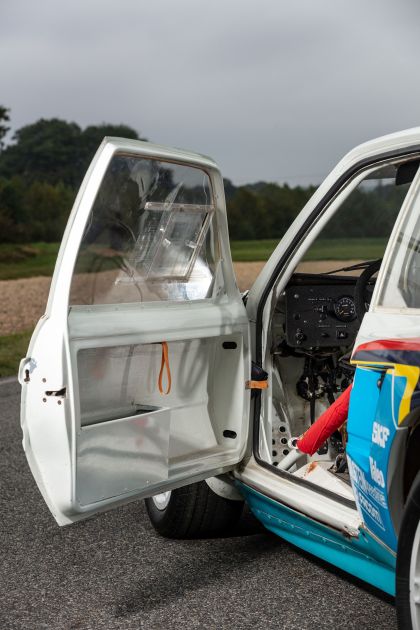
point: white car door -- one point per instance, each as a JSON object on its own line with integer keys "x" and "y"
{"x": 135, "y": 377}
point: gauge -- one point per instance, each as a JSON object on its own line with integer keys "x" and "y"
{"x": 345, "y": 309}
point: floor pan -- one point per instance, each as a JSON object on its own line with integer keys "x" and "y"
{"x": 317, "y": 472}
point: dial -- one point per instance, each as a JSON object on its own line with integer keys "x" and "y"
{"x": 345, "y": 309}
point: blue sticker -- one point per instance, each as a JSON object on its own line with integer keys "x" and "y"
{"x": 371, "y": 427}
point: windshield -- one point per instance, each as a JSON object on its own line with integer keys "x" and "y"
{"x": 359, "y": 230}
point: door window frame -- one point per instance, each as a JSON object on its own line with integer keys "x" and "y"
{"x": 413, "y": 197}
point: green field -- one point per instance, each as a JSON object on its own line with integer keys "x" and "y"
{"x": 12, "y": 349}
{"x": 322, "y": 249}
{"x": 38, "y": 259}
{"x": 28, "y": 260}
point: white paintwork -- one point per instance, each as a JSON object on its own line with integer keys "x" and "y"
{"x": 52, "y": 431}
{"x": 84, "y": 464}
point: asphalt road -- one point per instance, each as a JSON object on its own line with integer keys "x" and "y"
{"x": 113, "y": 571}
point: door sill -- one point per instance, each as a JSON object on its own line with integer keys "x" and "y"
{"x": 303, "y": 497}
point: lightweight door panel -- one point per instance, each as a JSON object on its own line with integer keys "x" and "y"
{"x": 134, "y": 381}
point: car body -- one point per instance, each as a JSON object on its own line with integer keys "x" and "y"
{"x": 149, "y": 370}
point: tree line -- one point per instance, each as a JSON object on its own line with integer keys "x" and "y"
{"x": 44, "y": 164}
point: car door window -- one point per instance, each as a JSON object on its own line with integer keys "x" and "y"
{"x": 150, "y": 236}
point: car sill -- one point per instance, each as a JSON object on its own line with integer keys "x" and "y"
{"x": 300, "y": 498}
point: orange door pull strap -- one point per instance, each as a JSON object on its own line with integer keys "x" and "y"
{"x": 256, "y": 385}
{"x": 165, "y": 364}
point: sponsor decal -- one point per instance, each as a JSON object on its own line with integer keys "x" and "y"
{"x": 359, "y": 479}
{"x": 376, "y": 473}
{"x": 366, "y": 506}
{"x": 373, "y": 421}
{"x": 380, "y": 434}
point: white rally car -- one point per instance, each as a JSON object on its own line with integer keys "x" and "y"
{"x": 150, "y": 376}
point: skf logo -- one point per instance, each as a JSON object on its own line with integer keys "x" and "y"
{"x": 376, "y": 473}
{"x": 380, "y": 434}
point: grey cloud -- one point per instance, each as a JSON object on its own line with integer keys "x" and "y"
{"x": 271, "y": 90}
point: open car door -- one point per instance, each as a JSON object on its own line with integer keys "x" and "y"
{"x": 135, "y": 377}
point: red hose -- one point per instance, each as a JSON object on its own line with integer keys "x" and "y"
{"x": 328, "y": 422}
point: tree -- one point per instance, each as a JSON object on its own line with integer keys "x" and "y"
{"x": 4, "y": 118}
{"x": 55, "y": 150}
{"x": 242, "y": 214}
{"x": 34, "y": 212}
{"x": 93, "y": 135}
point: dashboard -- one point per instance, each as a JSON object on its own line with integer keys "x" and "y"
{"x": 321, "y": 311}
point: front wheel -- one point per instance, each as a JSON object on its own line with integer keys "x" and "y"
{"x": 194, "y": 511}
{"x": 408, "y": 563}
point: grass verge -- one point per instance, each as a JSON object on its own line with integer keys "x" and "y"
{"x": 12, "y": 349}
{"x": 27, "y": 260}
{"x": 321, "y": 249}
{"x": 38, "y": 259}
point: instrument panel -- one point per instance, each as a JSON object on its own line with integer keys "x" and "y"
{"x": 321, "y": 311}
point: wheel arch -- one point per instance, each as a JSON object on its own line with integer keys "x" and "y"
{"x": 412, "y": 450}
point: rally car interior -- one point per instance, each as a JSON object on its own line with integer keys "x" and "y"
{"x": 313, "y": 331}
{"x": 314, "y": 325}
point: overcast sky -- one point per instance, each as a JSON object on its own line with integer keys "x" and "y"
{"x": 272, "y": 90}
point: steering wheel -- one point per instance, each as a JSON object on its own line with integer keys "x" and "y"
{"x": 360, "y": 297}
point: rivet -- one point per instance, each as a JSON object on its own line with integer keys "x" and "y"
{"x": 44, "y": 400}
{"x": 44, "y": 380}
{"x": 59, "y": 402}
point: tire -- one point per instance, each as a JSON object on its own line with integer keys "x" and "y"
{"x": 408, "y": 562}
{"x": 194, "y": 511}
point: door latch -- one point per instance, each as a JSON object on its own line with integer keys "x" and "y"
{"x": 60, "y": 393}
{"x": 26, "y": 367}
{"x": 259, "y": 378}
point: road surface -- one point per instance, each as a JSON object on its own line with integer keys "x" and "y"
{"x": 114, "y": 572}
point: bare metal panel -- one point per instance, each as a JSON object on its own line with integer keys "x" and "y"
{"x": 119, "y": 456}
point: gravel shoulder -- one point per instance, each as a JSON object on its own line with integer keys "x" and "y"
{"x": 22, "y": 302}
